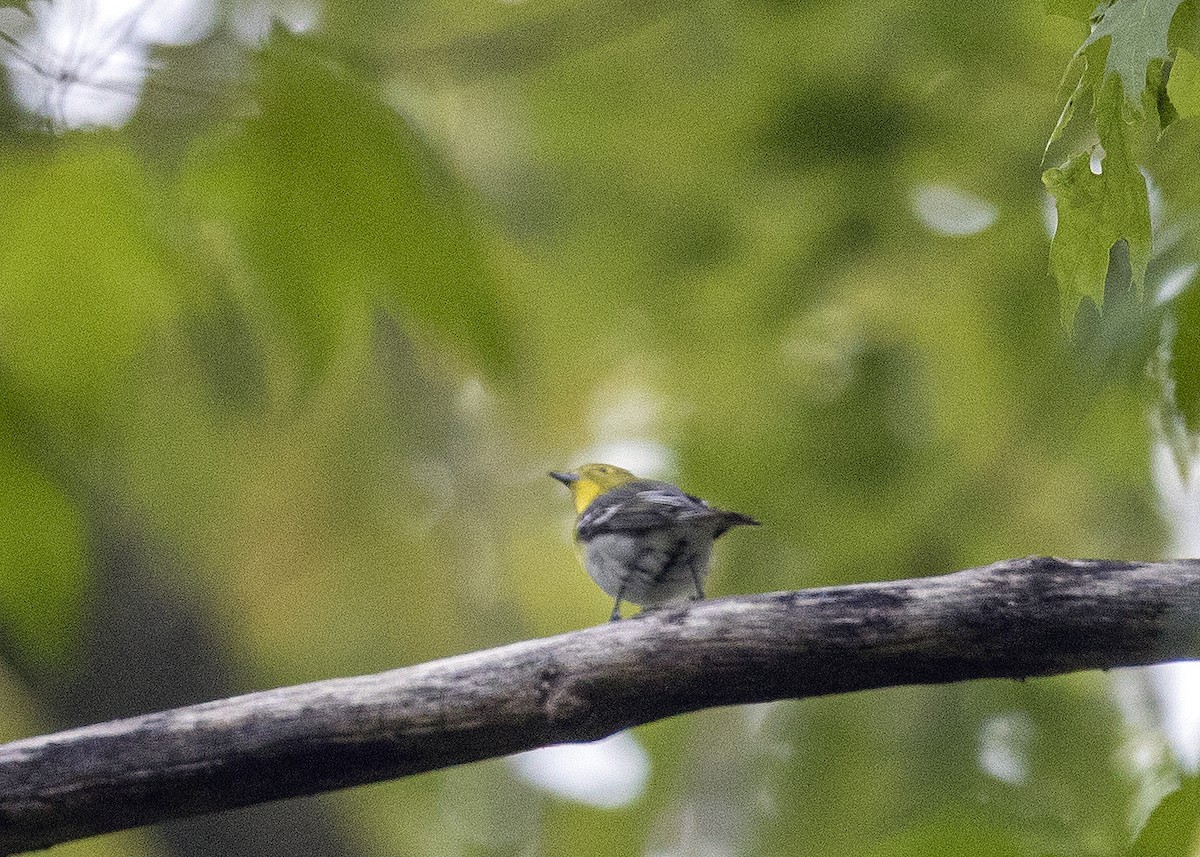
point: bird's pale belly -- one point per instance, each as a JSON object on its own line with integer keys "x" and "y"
{"x": 648, "y": 568}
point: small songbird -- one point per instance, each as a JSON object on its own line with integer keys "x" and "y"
{"x": 642, "y": 540}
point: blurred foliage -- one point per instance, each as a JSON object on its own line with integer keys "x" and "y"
{"x": 1172, "y": 828}
{"x": 318, "y": 317}
{"x": 41, "y": 552}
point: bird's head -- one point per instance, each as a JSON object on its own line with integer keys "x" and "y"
{"x": 591, "y": 480}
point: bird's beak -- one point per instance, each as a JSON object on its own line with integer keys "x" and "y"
{"x": 564, "y": 478}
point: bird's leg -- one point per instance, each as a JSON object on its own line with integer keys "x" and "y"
{"x": 616, "y": 613}
{"x": 699, "y": 596}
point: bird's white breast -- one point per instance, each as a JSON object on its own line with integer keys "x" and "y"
{"x": 649, "y": 568}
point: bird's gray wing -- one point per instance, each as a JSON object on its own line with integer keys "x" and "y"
{"x": 640, "y": 506}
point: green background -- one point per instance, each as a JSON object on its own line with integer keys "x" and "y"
{"x": 284, "y": 361}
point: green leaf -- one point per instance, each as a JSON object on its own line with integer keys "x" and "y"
{"x": 228, "y": 352}
{"x": 82, "y": 274}
{"x": 42, "y": 570}
{"x": 337, "y": 207}
{"x": 1184, "y": 366}
{"x": 1185, "y": 28}
{"x": 1096, "y": 211}
{"x": 1130, "y": 82}
{"x": 1157, "y": 93}
{"x": 1080, "y": 10}
{"x": 1072, "y": 88}
{"x": 1137, "y": 33}
{"x": 950, "y": 833}
{"x": 1173, "y": 829}
{"x": 1184, "y": 84}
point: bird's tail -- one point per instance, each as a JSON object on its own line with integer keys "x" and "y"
{"x": 733, "y": 519}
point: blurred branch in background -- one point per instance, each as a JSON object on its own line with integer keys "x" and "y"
{"x": 138, "y": 644}
{"x": 1031, "y": 617}
{"x": 147, "y": 647}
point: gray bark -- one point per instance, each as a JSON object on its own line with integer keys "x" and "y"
{"x": 1015, "y": 619}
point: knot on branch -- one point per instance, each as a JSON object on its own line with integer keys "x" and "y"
{"x": 566, "y": 702}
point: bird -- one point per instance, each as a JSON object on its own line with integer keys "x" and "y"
{"x": 643, "y": 541}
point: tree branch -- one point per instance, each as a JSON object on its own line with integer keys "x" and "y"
{"x": 1014, "y": 619}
